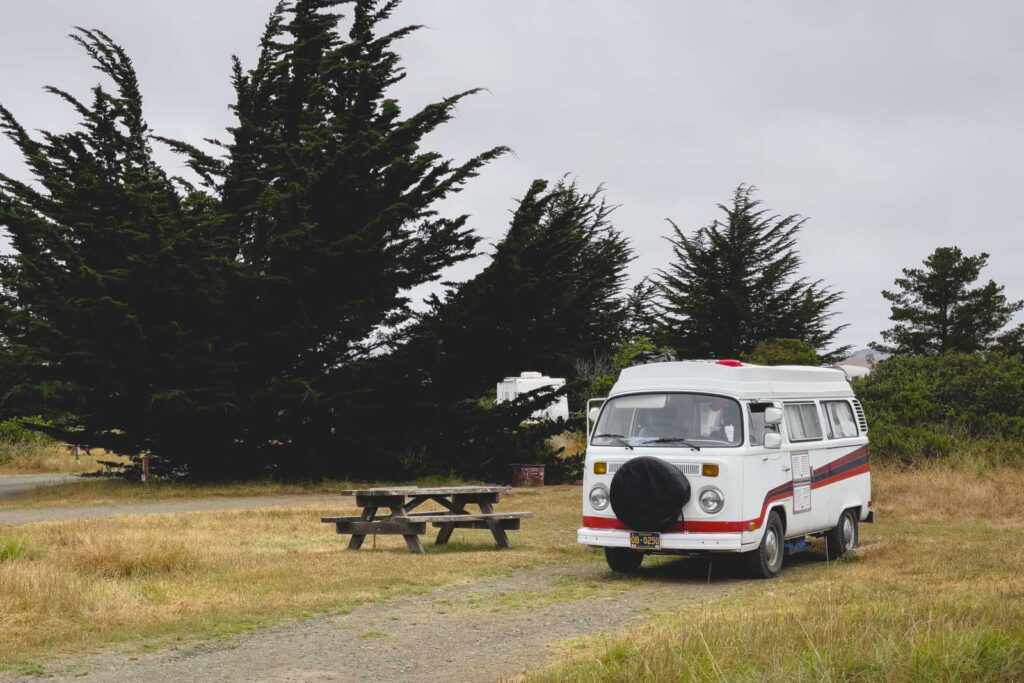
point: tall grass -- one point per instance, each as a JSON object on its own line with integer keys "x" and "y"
{"x": 71, "y": 586}
{"x": 935, "y": 594}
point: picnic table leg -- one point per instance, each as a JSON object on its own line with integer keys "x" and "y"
{"x": 356, "y": 542}
{"x": 500, "y": 537}
{"x": 411, "y": 540}
{"x": 444, "y": 534}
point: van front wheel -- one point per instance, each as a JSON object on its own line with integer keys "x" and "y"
{"x": 766, "y": 561}
{"x": 623, "y": 560}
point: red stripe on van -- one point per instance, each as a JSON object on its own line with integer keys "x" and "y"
{"x": 710, "y": 527}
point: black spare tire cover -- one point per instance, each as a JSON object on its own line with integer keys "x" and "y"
{"x": 648, "y": 494}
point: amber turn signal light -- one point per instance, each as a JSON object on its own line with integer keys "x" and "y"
{"x": 709, "y": 469}
{"x": 600, "y": 468}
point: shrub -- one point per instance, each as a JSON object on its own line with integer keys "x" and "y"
{"x": 927, "y": 407}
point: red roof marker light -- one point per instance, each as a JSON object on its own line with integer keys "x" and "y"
{"x": 729, "y": 362}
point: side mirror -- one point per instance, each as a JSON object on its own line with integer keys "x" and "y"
{"x": 593, "y": 413}
{"x": 772, "y": 415}
{"x": 773, "y": 440}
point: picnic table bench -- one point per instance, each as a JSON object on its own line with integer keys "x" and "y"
{"x": 410, "y": 525}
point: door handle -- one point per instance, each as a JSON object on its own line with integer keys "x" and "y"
{"x": 786, "y": 468}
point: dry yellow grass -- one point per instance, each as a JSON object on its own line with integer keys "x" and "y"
{"x": 48, "y": 458}
{"x": 936, "y": 594}
{"x": 97, "y": 491}
{"x": 67, "y": 587}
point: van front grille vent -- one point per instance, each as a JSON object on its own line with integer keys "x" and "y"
{"x": 688, "y": 468}
{"x": 861, "y": 420}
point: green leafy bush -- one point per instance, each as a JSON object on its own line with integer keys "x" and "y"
{"x": 928, "y": 407}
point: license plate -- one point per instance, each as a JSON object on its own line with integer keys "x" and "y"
{"x": 645, "y": 541}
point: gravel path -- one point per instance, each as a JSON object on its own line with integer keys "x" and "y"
{"x": 50, "y": 514}
{"x": 486, "y": 630}
{"x": 15, "y": 484}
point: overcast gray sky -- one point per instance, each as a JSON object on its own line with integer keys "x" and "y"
{"x": 896, "y": 127}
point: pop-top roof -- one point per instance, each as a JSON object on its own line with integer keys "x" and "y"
{"x": 741, "y": 380}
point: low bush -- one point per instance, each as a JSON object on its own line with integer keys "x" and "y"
{"x": 952, "y": 405}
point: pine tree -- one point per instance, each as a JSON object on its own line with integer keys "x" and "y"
{"x": 108, "y": 304}
{"x": 735, "y": 283}
{"x": 937, "y": 311}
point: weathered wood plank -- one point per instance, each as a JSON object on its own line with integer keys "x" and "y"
{"x": 380, "y": 501}
{"x": 412, "y": 541}
{"x": 507, "y": 524}
{"x": 381, "y": 527}
{"x": 445, "y": 533}
{"x": 463, "y": 499}
{"x": 470, "y": 517}
{"x": 424, "y": 491}
{"x": 500, "y": 537}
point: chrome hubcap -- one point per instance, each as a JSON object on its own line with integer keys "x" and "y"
{"x": 848, "y": 533}
{"x": 771, "y": 547}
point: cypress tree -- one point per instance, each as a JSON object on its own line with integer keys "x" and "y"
{"x": 735, "y": 283}
{"x": 333, "y": 203}
{"x": 551, "y": 293}
{"x": 108, "y": 305}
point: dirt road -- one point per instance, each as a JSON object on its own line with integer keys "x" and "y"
{"x": 50, "y": 514}
{"x": 482, "y": 631}
{"x": 16, "y": 484}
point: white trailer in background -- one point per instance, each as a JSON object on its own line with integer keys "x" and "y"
{"x": 513, "y": 387}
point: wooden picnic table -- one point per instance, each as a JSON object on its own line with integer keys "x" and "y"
{"x": 402, "y": 520}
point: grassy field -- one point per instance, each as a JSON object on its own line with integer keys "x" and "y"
{"x": 47, "y": 458}
{"x": 937, "y": 594}
{"x": 151, "y": 581}
{"x": 104, "y": 491}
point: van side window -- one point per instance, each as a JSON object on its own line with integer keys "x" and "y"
{"x": 802, "y": 421}
{"x": 757, "y": 426}
{"x": 840, "y": 418}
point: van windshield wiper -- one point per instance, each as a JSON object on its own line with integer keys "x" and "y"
{"x": 674, "y": 439}
{"x": 617, "y": 437}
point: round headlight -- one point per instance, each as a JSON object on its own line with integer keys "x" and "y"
{"x": 599, "y": 497}
{"x": 711, "y": 500}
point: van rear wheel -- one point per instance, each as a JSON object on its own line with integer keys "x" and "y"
{"x": 845, "y": 537}
{"x": 623, "y": 560}
{"x": 766, "y": 561}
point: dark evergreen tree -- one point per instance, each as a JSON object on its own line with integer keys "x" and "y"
{"x": 109, "y": 304}
{"x": 332, "y": 202}
{"x": 551, "y": 294}
{"x": 735, "y": 283}
{"x": 937, "y": 311}
{"x": 643, "y": 311}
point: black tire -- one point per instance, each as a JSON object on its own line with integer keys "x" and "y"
{"x": 845, "y": 537}
{"x": 648, "y": 494}
{"x": 623, "y": 560}
{"x": 766, "y": 561}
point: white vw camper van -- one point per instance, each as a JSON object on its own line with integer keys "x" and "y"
{"x": 694, "y": 457}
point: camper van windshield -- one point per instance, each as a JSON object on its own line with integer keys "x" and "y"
{"x": 670, "y": 420}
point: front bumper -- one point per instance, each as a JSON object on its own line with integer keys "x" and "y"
{"x": 617, "y": 538}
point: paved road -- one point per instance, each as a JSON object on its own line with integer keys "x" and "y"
{"x": 52, "y": 514}
{"x": 13, "y": 485}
